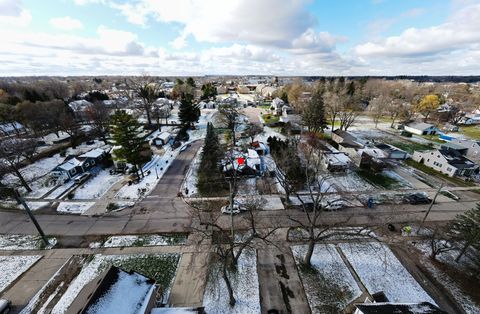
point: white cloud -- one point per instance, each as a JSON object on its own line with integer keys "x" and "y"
{"x": 249, "y": 21}
{"x": 66, "y": 23}
{"x": 458, "y": 32}
{"x": 13, "y": 14}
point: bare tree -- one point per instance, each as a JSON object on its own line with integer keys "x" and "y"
{"x": 147, "y": 89}
{"x": 230, "y": 117}
{"x": 227, "y": 249}
{"x": 99, "y": 118}
{"x": 253, "y": 130}
{"x": 12, "y": 152}
{"x": 379, "y": 106}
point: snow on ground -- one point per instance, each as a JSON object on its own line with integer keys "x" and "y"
{"x": 74, "y": 207}
{"x": 161, "y": 163}
{"x": 100, "y": 182}
{"x": 11, "y": 267}
{"x": 34, "y": 302}
{"x": 100, "y": 263}
{"x": 33, "y": 205}
{"x": 245, "y": 286}
{"x": 445, "y": 280}
{"x": 61, "y": 190}
{"x": 247, "y": 186}
{"x": 349, "y": 182}
{"x": 11, "y": 242}
{"x": 144, "y": 240}
{"x": 329, "y": 285}
{"x": 190, "y": 181}
{"x": 124, "y": 295}
{"x": 380, "y": 270}
{"x": 401, "y": 181}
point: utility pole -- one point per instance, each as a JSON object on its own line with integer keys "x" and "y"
{"x": 20, "y": 200}
{"x": 430, "y": 207}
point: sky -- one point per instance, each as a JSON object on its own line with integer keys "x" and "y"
{"x": 240, "y": 37}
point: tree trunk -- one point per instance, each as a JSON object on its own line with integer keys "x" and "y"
{"x": 21, "y": 178}
{"x": 464, "y": 249}
{"x": 228, "y": 284}
{"x": 308, "y": 256}
{"x": 147, "y": 111}
{"x": 141, "y": 171}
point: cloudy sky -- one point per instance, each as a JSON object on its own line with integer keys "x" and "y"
{"x": 278, "y": 37}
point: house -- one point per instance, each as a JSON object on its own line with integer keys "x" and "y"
{"x": 11, "y": 128}
{"x": 397, "y": 308}
{"x": 371, "y": 158}
{"x": 421, "y": 128}
{"x": 80, "y": 109}
{"x": 378, "y": 303}
{"x": 472, "y": 146}
{"x": 392, "y": 152}
{"x": 470, "y": 119}
{"x": 221, "y": 90}
{"x": 247, "y": 164}
{"x": 276, "y": 106}
{"x": 340, "y": 136}
{"x": 261, "y": 148}
{"x": 75, "y": 165}
{"x": 336, "y": 161}
{"x": 448, "y": 161}
{"x": 162, "y": 139}
{"x": 116, "y": 291}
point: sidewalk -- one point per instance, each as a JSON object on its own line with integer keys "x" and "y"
{"x": 100, "y": 207}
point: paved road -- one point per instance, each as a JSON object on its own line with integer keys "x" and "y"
{"x": 161, "y": 211}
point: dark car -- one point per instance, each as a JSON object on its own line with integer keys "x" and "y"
{"x": 418, "y": 198}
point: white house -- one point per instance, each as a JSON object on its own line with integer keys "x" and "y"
{"x": 162, "y": 139}
{"x": 421, "y": 128}
{"x": 447, "y": 161}
{"x": 277, "y": 105}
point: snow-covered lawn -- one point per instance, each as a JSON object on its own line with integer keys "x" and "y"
{"x": 329, "y": 285}
{"x": 11, "y": 267}
{"x": 74, "y": 207}
{"x": 349, "y": 182}
{"x": 97, "y": 185}
{"x": 145, "y": 240}
{"x": 161, "y": 267}
{"x": 11, "y": 242}
{"x": 148, "y": 183}
{"x": 380, "y": 270}
{"x": 190, "y": 181}
{"x": 444, "y": 279}
{"x": 61, "y": 190}
{"x": 245, "y": 286}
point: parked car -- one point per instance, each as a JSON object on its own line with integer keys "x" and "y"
{"x": 417, "y": 198}
{"x": 5, "y": 306}
{"x": 184, "y": 147}
{"x": 237, "y": 208}
{"x": 80, "y": 178}
{"x": 334, "y": 205}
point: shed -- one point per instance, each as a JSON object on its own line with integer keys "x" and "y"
{"x": 421, "y": 128}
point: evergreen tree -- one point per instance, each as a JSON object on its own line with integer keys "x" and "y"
{"x": 314, "y": 114}
{"x": 126, "y": 133}
{"x": 210, "y": 176}
{"x": 189, "y": 113}
{"x": 466, "y": 228}
{"x": 191, "y": 82}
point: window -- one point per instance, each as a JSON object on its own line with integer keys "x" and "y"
{"x": 73, "y": 171}
{"x": 449, "y": 169}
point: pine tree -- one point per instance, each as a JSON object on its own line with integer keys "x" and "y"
{"x": 189, "y": 113}
{"x": 210, "y": 177}
{"x": 126, "y": 134}
{"x": 466, "y": 228}
{"x": 314, "y": 114}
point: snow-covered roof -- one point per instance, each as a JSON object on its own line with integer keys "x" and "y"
{"x": 94, "y": 153}
{"x": 420, "y": 126}
{"x": 337, "y": 159}
{"x": 129, "y": 293}
{"x": 164, "y": 136}
{"x": 79, "y": 104}
{"x": 374, "y": 152}
{"x": 9, "y": 127}
{"x": 70, "y": 164}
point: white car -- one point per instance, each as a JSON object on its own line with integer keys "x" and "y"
{"x": 334, "y": 205}
{"x": 80, "y": 178}
{"x": 237, "y": 209}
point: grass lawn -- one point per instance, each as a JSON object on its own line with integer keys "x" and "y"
{"x": 472, "y": 131}
{"x": 437, "y": 174}
{"x": 378, "y": 179}
{"x": 265, "y": 107}
{"x": 270, "y": 118}
{"x": 433, "y": 138}
{"x": 410, "y": 147}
